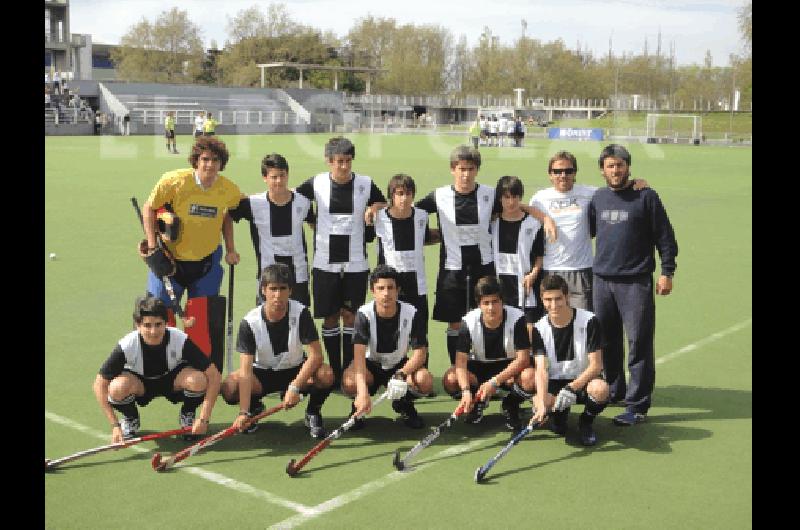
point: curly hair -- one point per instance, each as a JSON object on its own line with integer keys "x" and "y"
{"x": 209, "y": 143}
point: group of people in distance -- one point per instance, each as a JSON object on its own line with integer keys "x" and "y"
{"x": 530, "y": 313}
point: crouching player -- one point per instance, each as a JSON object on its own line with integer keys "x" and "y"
{"x": 155, "y": 360}
{"x": 271, "y": 339}
{"x": 384, "y": 330}
{"x": 493, "y": 350}
{"x": 572, "y": 339}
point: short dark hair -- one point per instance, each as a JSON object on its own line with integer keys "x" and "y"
{"x": 279, "y": 273}
{"x": 339, "y": 146}
{"x": 273, "y": 161}
{"x": 615, "y": 150}
{"x": 553, "y": 282}
{"x": 209, "y": 143}
{"x": 488, "y": 286}
{"x": 383, "y": 272}
{"x": 466, "y": 153}
{"x": 149, "y": 306}
{"x": 400, "y": 180}
{"x": 563, "y": 155}
{"x": 509, "y": 184}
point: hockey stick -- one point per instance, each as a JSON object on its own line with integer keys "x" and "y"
{"x": 229, "y": 360}
{"x": 187, "y": 322}
{"x": 52, "y": 464}
{"x": 162, "y": 464}
{"x": 481, "y": 471}
{"x": 400, "y": 464}
{"x": 292, "y": 468}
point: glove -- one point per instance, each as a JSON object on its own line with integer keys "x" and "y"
{"x": 397, "y": 386}
{"x": 160, "y": 261}
{"x": 565, "y": 399}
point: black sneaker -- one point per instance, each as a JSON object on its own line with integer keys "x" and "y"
{"x": 511, "y": 414}
{"x": 588, "y": 437}
{"x": 408, "y": 413}
{"x": 256, "y": 407}
{"x": 558, "y": 422}
{"x": 360, "y": 423}
{"x": 314, "y": 423}
{"x": 476, "y": 414}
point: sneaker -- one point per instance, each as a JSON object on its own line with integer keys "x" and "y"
{"x": 314, "y": 424}
{"x": 476, "y": 414}
{"x": 408, "y": 413}
{"x": 628, "y": 418}
{"x": 256, "y": 408}
{"x": 360, "y": 423}
{"x": 558, "y": 422}
{"x": 511, "y": 414}
{"x": 186, "y": 419}
{"x": 130, "y": 427}
{"x": 588, "y": 436}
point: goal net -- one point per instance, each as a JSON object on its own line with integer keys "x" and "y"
{"x": 677, "y": 128}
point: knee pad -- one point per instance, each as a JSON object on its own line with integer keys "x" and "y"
{"x": 208, "y": 332}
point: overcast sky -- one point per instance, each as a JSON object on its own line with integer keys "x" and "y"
{"x": 694, "y": 26}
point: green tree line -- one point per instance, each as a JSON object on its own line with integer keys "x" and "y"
{"x": 420, "y": 59}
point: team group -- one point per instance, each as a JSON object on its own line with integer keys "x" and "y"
{"x": 531, "y": 313}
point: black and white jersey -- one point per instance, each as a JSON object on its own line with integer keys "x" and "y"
{"x": 387, "y": 340}
{"x": 151, "y": 362}
{"x": 488, "y": 345}
{"x": 277, "y": 345}
{"x": 515, "y": 248}
{"x": 464, "y": 223}
{"x": 401, "y": 245}
{"x": 277, "y": 231}
{"x": 568, "y": 348}
{"x": 339, "y": 244}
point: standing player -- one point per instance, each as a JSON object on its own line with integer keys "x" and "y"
{"x": 169, "y": 131}
{"x": 199, "y": 197}
{"x": 271, "y": 339}
{"x": 517, "y": 246}
{"x": 629, "y": 224}
{"x": 572, "y": 338}
{"x": 568, "y": 204}
{"x": 209, "y": 125}
{"x": 464, "y": 211}
{"x": 345, "y": 203}
{"x": 493, "y": 350}
{"x": 384, "y": 330}
{"x": 155, "y": 360}
{"x": 276, "y": 226}
{"x": 199, "y": 122}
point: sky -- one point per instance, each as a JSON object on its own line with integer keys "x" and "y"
{"x": 694, "y": 26}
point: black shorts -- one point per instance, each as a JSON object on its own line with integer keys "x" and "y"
{"x": 334, "y": 290}
{"x": 421, "y": 303}
{"x": 275, "y": 380}
{"x": 554, "y": 386}
{"x": 380, "y": 377}
{"x": 299, "y": 294}
{"x": 453, "y": 295}
{"x": 208, "y": 133}
{"x": 486, "y": 370}
{"x": 533, "y": 314}
{"x": 160, "y": 386}
{"x": 169, "y": 134}
{"x": 198, "y": 133}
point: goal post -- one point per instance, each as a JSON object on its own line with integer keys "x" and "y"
{"x": 674, "y": 128}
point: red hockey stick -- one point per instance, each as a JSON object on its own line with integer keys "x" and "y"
{"x": 52, "y": 464}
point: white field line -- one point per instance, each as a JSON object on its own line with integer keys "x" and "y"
{"x": 702, "y": 342}
{"x": 371, "y": 487}
{"x": 216, "y": 478}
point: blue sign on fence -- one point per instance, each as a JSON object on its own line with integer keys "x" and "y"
{"x": 567, "y": 133}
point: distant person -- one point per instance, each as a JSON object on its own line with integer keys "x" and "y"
{"x": 126, "y": 124}
{"x": 155, "y": 360}
{"x": 169, "y": 131}
{"x": 629, "y": 225}
{"x": 475, "y": 133}
{"x": 199, "y": 122}
{"x": 209, "y": 125}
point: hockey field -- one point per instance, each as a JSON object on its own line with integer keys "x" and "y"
{"x": 689, "y": 466}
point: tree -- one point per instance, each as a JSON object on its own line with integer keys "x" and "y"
{"x": 746, "y": 25}
{"x": 251, "y": 23}
{"x": 169, "y": 50}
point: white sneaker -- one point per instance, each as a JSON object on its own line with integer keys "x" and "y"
{"x": 130, "y": 427}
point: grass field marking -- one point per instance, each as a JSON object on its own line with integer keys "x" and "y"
{"x": 702, "y": 342}
{"x": 370, "y": 487}
{"x": 216, "y": 478}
